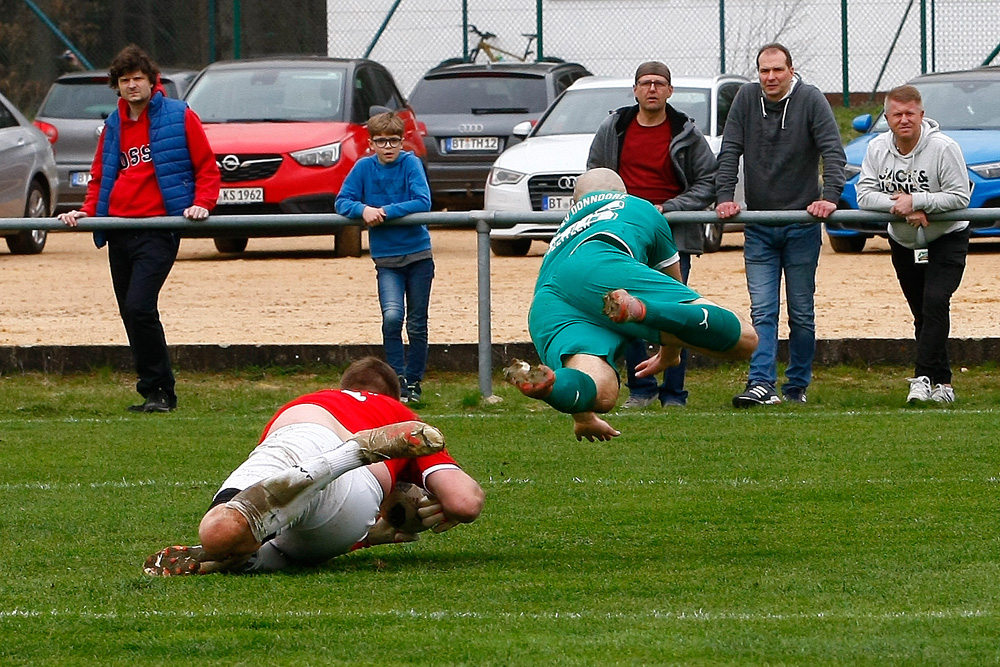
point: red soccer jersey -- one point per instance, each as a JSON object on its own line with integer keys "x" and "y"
{"x": 645, "y": 164}
{"x": 360, "y": 410}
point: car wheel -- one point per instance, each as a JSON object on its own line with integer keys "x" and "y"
{"x": 230, "y": 244}
{"x": 31, "y": 241}
{"x": 713, "y": 236}
{"x": 847, "y": 244}
{"x": 510, "y": 247}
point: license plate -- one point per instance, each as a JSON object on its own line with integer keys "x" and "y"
{"x": 557, "y": 203}
{"x": 241, "y": 196}
{"x": 79, "y": 179}
{"x": 471, "y": 144}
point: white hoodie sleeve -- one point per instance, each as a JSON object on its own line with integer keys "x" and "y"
{"x": 953, "y": 180}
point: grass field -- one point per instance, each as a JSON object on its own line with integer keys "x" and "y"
{"x": 851, "y": 530}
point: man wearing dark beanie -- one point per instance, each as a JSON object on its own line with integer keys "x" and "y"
{"x": 664, "y": 158}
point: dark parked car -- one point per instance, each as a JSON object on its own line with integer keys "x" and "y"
{"x": 72, "y": 117}
{"x": 286, "y": 131}
{"x": 966, "y": 104}
{"x": 28, "y": 182}
{"x": 470, "y": 111}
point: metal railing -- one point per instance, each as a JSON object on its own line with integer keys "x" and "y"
{"x": 322, "y": 223}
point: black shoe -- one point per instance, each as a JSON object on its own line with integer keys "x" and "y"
{"x": 794, "y": 395}
{"x": 756, "y": 394}
{"x": 413, "y": 392}
{"x": 158, "y": 401}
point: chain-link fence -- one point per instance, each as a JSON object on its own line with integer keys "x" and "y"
{"x": 887, "y": 42}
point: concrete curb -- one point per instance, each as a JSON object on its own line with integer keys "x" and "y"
{"x": 459, "y": 357}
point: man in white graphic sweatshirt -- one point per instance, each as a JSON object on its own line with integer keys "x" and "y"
{"x": 911, "y": 171}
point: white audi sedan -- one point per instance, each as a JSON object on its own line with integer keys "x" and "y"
{"x": 539, "y": 173}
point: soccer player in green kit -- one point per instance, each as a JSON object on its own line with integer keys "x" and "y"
{"x": 611, "y": 275}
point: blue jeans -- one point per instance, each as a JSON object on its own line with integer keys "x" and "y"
{"x": 768, "y": 252}
{"x": 672, "y": 390}
{"x": 404, "y": 293}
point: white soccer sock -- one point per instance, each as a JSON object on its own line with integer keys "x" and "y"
{"x": 281, "y": 499}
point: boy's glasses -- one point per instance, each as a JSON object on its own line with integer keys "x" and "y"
{"x": 387, "y": 142}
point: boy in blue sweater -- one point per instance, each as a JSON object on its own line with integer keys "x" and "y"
{"x": 390, "y": 184}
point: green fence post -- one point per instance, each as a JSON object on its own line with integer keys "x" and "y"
{"x": 843, "y": 54}
{"x": 538, "y": 30}
{"x": 236, "y": 30}
{"x": 722, "y": 36}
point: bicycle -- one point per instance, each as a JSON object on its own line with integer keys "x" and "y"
{"x": 495, "y": 53}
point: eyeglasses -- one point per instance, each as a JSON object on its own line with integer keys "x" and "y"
{"x": 651, "y": 84}
{"x": 387, "y": 142}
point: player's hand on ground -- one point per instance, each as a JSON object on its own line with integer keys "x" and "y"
{"x": 666, "y": 357}
{"x": 431, "y": 514}
{"x": 383, "y": 533}
{"x": 588, "y": 425}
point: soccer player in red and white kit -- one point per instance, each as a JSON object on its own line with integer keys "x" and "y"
{"x": 153, "y": 159}
{"x": 313, "y": 487}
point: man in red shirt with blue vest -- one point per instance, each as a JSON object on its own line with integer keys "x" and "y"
{"x": 153, "y": 159}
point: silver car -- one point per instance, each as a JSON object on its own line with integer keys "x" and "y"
{"x": 72, "y": 117}
{"x": 28, "y": 183}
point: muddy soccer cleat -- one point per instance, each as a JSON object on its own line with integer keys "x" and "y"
{"x": 178, "y": 561}
{"x": 621, "y": 307}
{"x": 405, "y": 440}
{"x": 532, "y": 381}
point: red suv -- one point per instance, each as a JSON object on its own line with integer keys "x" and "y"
{"x": 286, "y": 131}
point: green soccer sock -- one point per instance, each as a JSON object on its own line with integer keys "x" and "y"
{"x": 699, "y": 324}
{"x": 574, "y": 391}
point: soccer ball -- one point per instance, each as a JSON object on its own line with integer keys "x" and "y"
{"x": 400, "y": 507}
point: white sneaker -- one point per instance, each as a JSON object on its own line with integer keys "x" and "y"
{"x": 943, "y": 393}
{"x": 920, "y": 389}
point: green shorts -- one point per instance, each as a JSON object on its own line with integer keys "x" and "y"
{"x": 567, "y": 316}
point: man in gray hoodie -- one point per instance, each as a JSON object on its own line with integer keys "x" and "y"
{"x": 911, "y": 171}
{"x": 781, "y": 127}
{"x": 665, "y": 159}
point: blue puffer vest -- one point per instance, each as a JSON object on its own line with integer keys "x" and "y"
{"x": 168, "y": 150}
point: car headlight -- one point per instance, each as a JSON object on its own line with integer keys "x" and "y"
{"x": 851, "y": 170}
{"x": 988, "y": 170}
{"x": 321, "y": 156}
{"x": 500, "y": 176}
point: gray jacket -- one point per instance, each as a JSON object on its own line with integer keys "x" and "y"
{"x": 781, "y": 144}
{"x": 692, "y": 157}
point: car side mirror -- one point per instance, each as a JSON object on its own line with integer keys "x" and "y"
{"x": 862, "y": 123}
{"x": 522, "y": 129}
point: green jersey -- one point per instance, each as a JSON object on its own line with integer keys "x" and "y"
{"x": 626, "y": 222}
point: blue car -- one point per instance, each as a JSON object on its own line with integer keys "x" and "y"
{"x": 967, "y": 106}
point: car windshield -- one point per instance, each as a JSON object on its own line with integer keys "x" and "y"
{"x": 80, "y": 99}
{"x": 487, "y": 94}
{"x": 958, "y": 105}
{"x": 269, "y": 95}
{"x": 581, "y": 111}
